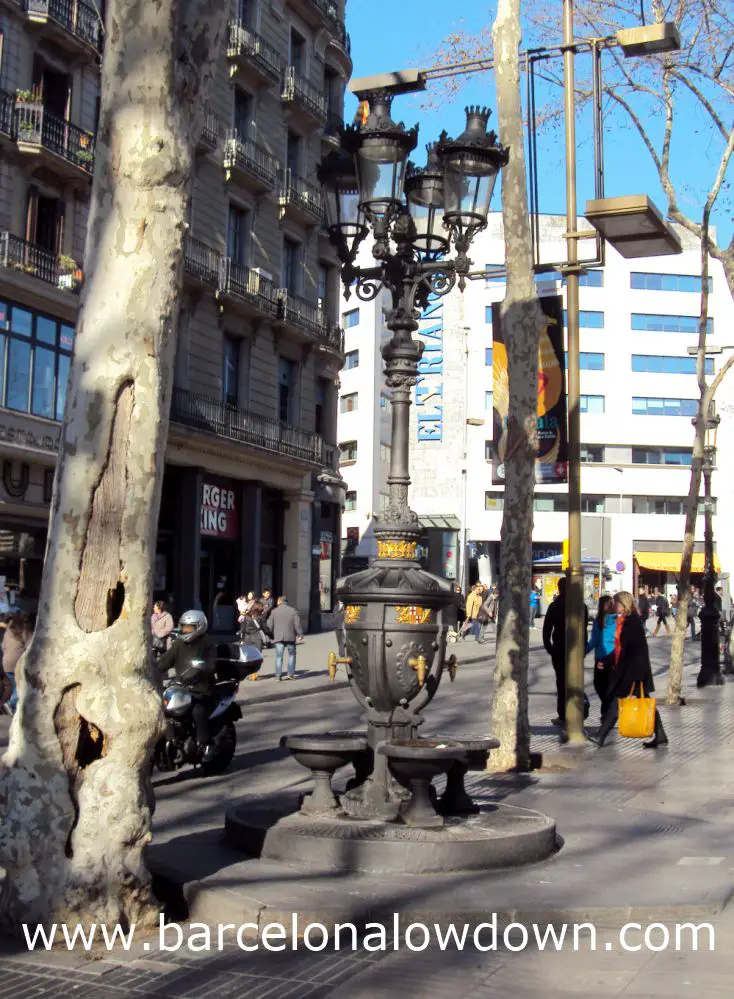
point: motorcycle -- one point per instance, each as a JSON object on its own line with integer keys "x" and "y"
{"x": 178, "y": 746}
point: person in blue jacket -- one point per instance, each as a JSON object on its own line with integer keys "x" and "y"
{"x": 601, "y": 643}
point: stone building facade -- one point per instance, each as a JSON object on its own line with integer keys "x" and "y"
{"x": 252, "y": 496}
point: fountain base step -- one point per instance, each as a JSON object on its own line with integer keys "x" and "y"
{"x": 500, "y": 836}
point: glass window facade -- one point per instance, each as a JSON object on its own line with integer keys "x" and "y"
{"x": 662, "y": 456}
{"x": 348, "y": 451}
{"x": 348, "y": 403}
{"x": 35, "y": 357}
{"x": 488, "y": 356}
{"x": 665, "y": 365}
{"x": 350, "y": 500}
{"x": 350, "y": 319}
{"x": 667, "y": 282}
{"x": 551, "y": 503}
{"x": 592, "y": 454}
{"x": 351, "y": 359}
{"x": 494, "y": 501}
{"x": 657, "y": 323}
{"x": 592, "y": 404}
{"x": 488, "y": 400}
{"x": 654, "y": 406}
{"x": 588, "y": 319}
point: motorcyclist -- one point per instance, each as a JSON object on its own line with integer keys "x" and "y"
{"x": 193, "y": 655}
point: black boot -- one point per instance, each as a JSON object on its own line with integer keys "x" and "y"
{"x": 660, "y": 738}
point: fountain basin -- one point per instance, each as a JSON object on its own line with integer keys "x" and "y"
{"x": 323, "y": 754}
{"x": 415, "y": 762}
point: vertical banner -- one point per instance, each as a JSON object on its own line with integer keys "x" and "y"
{"x": 551, "y": 465}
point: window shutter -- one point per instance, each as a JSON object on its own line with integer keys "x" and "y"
{"x": 31, "y": 218}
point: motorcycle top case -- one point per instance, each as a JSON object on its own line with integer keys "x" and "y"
{"x": 235, "y": 660}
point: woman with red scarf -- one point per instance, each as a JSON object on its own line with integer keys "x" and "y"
{"x": 630, "y": 670}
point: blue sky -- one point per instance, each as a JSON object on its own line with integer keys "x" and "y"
{"x": 417, "y": 29}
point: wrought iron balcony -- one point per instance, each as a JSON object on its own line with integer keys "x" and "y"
{"x": 310, "y": 318}
{"x": 38, "y": 130}
{"x": 249, "y": 287}
{"x": 232, "y": 423}
{"x": 300, "y": 93}
{"x": 250, "y": 162}
{"x": 202, "y": 261}
{"x": 251, "y": 56}
{"x": 211, "y": 130}
{"x": 76, "y": 25}
{"x": 305, "y": 200}
{"x": 19, "y": 255}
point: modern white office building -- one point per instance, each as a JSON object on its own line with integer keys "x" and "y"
{"x": 639, "y": 391}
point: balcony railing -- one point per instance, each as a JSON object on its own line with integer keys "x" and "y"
{"x": 250, "y": 285}
{"x": 74, "y": 16}
{"x": 212, "y": 416}
{"x": 247, "y": 155}
{"x": 19, "y": 255}
{"x": 37, "y": 126}
{"x": 311, "y": 317}
{"x": 211, "y": 129}
{"x": 203, "y": 261}
{"x": 7, "y": 104}
{"x": 299, "y": 192}
{"x": 297, "y": 88}
{"x": 330, "y": 11}
{"x": 243, "y": 41}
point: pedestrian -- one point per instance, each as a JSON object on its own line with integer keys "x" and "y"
{"x": 285, "y": 627}
{"x": 601, "y": 643}
{"x": 16, "y": 640}
{"x": 267, "y": 601}
{"x": 161, "y": 626}
{"x": 473, "y": 603}
{"x": 554, "y": 641}
{"x": 339, "y": 629}
{"x": 534, "y": 606}
{"x": 460, "y": 605}
{"x": 662, "y": 608}
{"x": 631, "y": 669}
{"x": 254, "y": 631}
{"x": 643, "y": 606}
{"x": 487, "y": 615}
{"x": 692, "y": 613}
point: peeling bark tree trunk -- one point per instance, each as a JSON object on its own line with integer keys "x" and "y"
{"x": 522, "y": 321}
{"x": 73, "y": 786}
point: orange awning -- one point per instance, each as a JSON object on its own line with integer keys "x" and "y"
{"x": 670, "y": 561}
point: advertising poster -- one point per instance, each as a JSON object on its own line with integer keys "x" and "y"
{"x": 551, "y": 465}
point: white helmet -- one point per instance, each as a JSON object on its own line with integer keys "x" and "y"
{"x": 194, "y": 619}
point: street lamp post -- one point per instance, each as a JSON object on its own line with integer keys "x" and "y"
{"x": 397, "y": 614}
{"x": 710, "y": 671}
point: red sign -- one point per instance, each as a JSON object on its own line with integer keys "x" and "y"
{"x": 218, "y": 510}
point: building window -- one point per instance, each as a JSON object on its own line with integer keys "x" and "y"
{"x": 243, "y": 114}
{"x": 662, "y": 456}
{"x": 35, "y": 355}
{"x": 348, "y": 452}
{"x": 384, "y": 502}
{"x": 350, "y": 500}
{"x": 298, "y": 52}
{"x": 592, "y": 279}
{"x": 488, "y": 397}
{"x": 592, "y": 404}
{"x": 350, "y": 319}
{"x": 231, "y": 372}
{"x": 238, "y": 235}
{"x": 589, "y": 361}
{"x": 664, "y": 365}
{"x": 348, "y": 403}
{"x": 488, "y": 356}
{"x": 293, "y": 153}
{"x": 383, "y": 401}
{"x": 488, "y": 450}
{"x": 494, "y": 501}
{"x": 588, "y": 319}
{"x": 385, "y": 452}
{"x": 322, "y": 394}
{"x": 551, "y": 503}
{"x": 667, "y": 282}
{"x": 592, "y": 504}
{"x": 491, "y": 279}
{"x": 673, "y": 505}
{"x": 286, "y": 387}
{"x": 547, "y": 277}
{"x": 654, "y": 323}
{"x": 649, "y": 406}
{"x": 351, "y": 359}
{"x": 289, "y": 266}
{"x": 592, "y": 454}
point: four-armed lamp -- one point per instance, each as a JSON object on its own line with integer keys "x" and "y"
{"x": 397, "y": 614}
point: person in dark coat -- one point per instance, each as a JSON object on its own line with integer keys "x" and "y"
{"x": 631, "y": 669}
{"x": 643, "y": 606}
{"x": 285, "y": 625}
{"x": 554, "y": 640}
{"x": 254, "y": 631}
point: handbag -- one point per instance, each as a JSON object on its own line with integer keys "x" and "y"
{"x": 637, "y": 715}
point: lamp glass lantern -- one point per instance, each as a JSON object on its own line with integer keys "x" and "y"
{"x": 471, "y": 164}
{"x": 424, "y": 192}
{"x": 344, "y": 217}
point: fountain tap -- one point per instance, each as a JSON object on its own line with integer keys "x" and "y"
{"x": 420, "y": 666}
{"x": 334, "y": 661}
{"x": 453, "y": 667}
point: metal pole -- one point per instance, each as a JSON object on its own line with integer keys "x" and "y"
{"x": 575, "y": 588}
{"x": 710, "y": 615}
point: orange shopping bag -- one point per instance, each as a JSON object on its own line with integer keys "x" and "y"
{"x": 637, "y": 715}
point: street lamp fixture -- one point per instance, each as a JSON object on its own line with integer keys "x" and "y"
{"x": 633, "y": 225}
{"x": 649, "y": 39}
{"x": 397, "y": 613}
